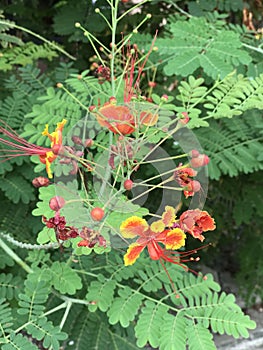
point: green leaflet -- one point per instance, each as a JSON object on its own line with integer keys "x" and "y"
{"x": 65, "y": 279}
{"x": 197, "y": 43}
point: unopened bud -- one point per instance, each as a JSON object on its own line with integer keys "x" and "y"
{"x": 56, "y": 203}
{"x": 128, "y": 184}
{"x": 76, "y": 140}
{"x": 164, "y": 98}
{"x": 194, "y": 153}
{"x": 88, "y": 143}
{"x": 77, "y": 24}
{"x": 59, "y": 85}
{"x": 152, "y": 84}
{"x": 200, "y": 161}
{"x": 40, "y": 181}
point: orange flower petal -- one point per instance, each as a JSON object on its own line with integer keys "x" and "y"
{"x": 117, "y": 119}
{"x": 133, "y": 226}
{"x": 168, "y": 217}
{"x": 148, "y": 118}
{"x": 175, "y": 239}
{"x": 133, "y": 253}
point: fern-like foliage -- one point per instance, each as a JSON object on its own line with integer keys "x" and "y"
{"x": 197, "y": 43}
{"x": 169, "y": 321}
{"x": 235, "y": 145}
{"x": 25, "y": 54}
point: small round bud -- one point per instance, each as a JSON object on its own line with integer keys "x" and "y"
{"x": 128, "y": 184}
{"x": 59, "y": 85}
{"x": 155, "y": 48}
{"x": 193, "y": 186}
{"x": 88, "y": 143}
{"x": 164, "y": 98}
{"x": 97, "y": 10}
{"x": 113, "y": 100}
{"x": 40, "y": 181}
{"x": 79, "y": 77}
{"x": 92, "y": 108}
{"x": 97, "y": 214}
{"x": 200, "y": 161}
{"x": 148, "y": 16}
{"x": 152, "y": 84}
{"x": 77, "y": 24}
{"x": 194, "y": 153}
{"x": 135, "y": 31}
{"x": 56, "y": 203}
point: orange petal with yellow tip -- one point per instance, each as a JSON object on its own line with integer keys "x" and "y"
{"x": 168, "y": 217}
{"x": 133, "y": 253}
{"x": 175, "y": 239}
{"x": 133, "y": 226}
{"x": 157, "y": 226}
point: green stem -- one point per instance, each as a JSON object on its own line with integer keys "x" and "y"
{"x": 12, "y": 25}
{"x": 114, "y": 21}
{"x": 15, "y": 257}
{"x": 64, "y": 318}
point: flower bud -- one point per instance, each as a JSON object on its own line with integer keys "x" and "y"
{"x": 185, "y": 118}
{"x": 76, "y": 140}
{"x": 128, "y": 184}
{"x": 97, "y": 214}
{"x": 194, "y": 153}
{"x": 193, "y": 186}
{"x": 40, "y": 181}
{"x": 88, "y": 143}
{"x": 199, "y": 161}
{"x": 56, "y": 203}
{"x": 152, "y": 84}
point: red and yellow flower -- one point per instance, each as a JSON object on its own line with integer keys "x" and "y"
{"x": 151, "y": 236}
{"x": 124, "y": 118}
{"x": 197, "y": 221}
{"x": 164, "y": 237}
{"x": 17, "y": 146}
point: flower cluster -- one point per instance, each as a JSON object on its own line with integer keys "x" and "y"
{"x": 166, "y": 235}
{"x": 17, "y": 146}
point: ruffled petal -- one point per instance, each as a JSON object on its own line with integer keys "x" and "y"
{"x": 175, "y": 239}
{"x": 133, "y": 226}
{"x": 157, "y": 226}
{"x": 133, "y": 253}
{"x": 168, "y": 217}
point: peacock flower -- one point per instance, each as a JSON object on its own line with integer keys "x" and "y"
{"x": 195, "y": 222}
{"x": 120, "y": 118}
{"x": 17, "y": 146}
{"x": 150, "y": 236}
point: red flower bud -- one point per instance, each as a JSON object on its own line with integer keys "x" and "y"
{"x": 76, "y": 140}
{"x": 185, "y": 118}
{"x": 40, "y": 181}
{"x": 152, "y": 84}
{"x": 97, "y": 214}
{"x": 128, "y": 184}
{"x": 194, "y": 153}
{"x": 199, "y": 161}
{"x": 56, "y": 203}
{"x": 88, "y": 143}
{"x": 193, "y": 186}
